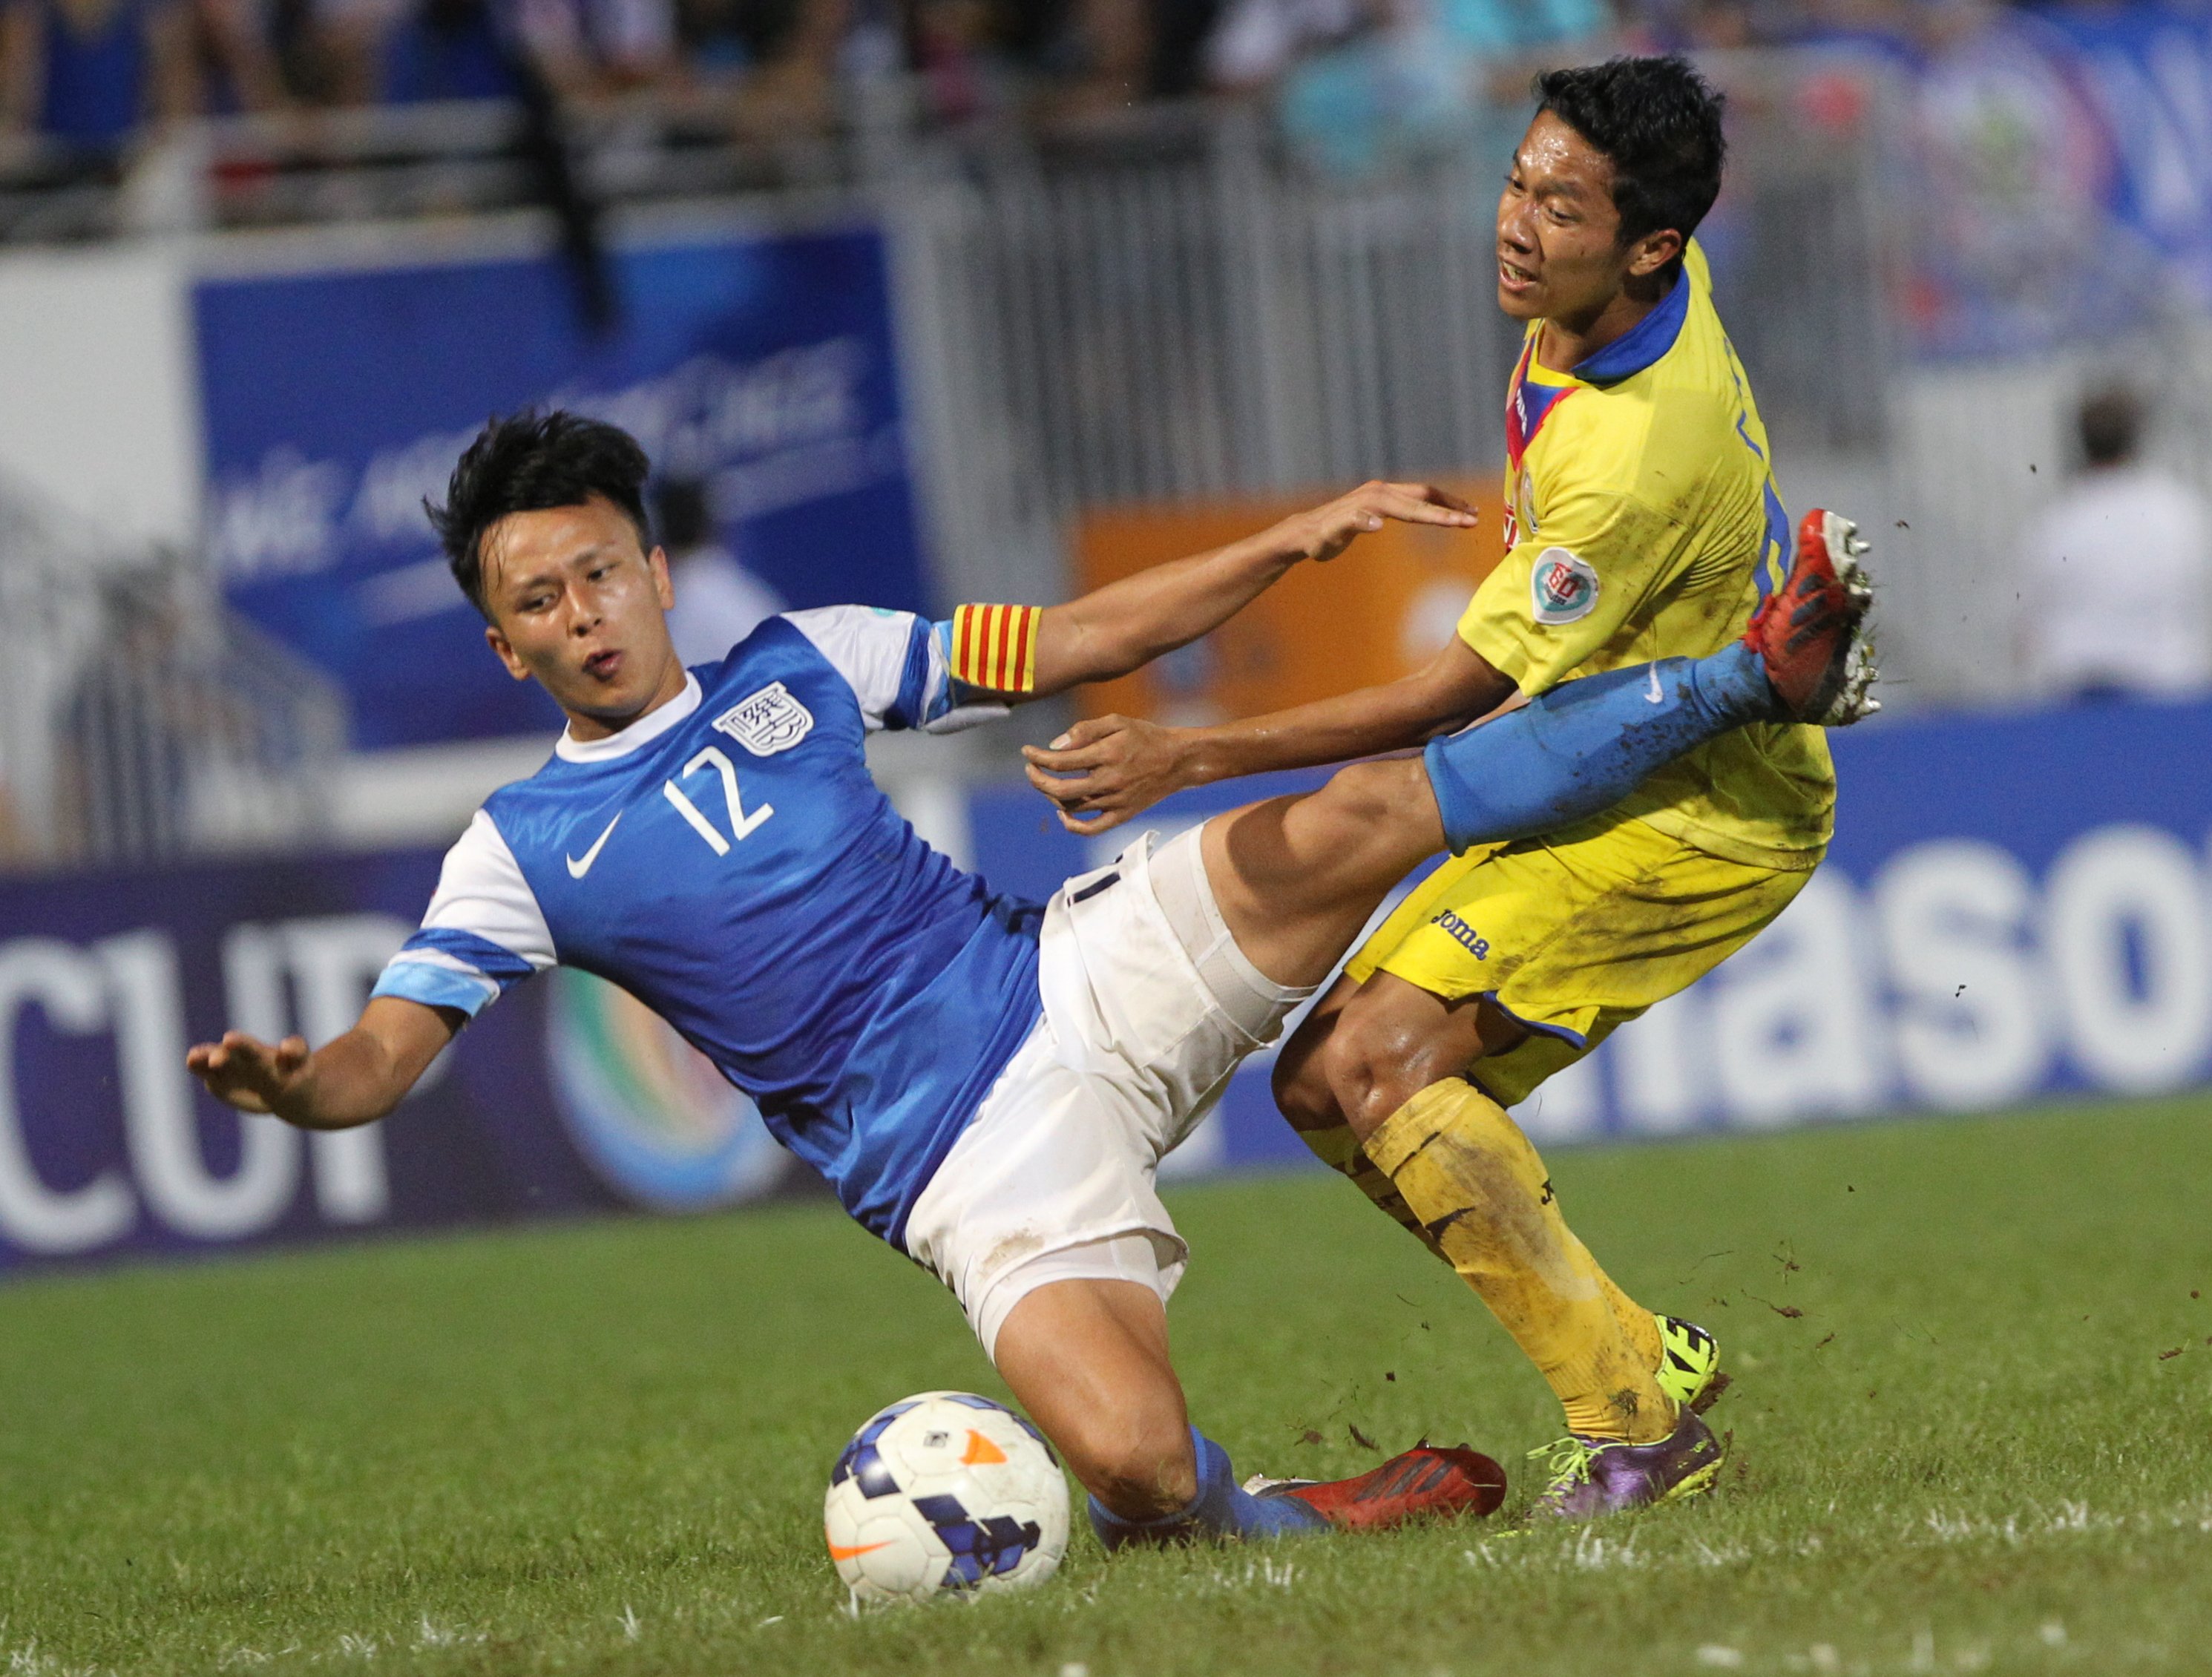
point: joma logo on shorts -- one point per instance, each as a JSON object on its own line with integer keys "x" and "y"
{"x": 1454, "y": 927}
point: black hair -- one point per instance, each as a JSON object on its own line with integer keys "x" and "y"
{"x": 684, "y": 513}
{"x": 531, "y": 462}
{"x": 1659, "y": 124}
{"x": 2112, "y": 424}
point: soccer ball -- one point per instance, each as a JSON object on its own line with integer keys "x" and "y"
{"x": 944, "y": 1491}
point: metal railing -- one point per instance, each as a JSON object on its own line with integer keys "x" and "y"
{"x": 401, "y": 161}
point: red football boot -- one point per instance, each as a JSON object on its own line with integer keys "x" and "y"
{"x": 1811, "y": 634}
{"x": 1426, "y": 1483}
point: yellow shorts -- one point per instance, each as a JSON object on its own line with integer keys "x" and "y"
{"x": 1572, "y": 933}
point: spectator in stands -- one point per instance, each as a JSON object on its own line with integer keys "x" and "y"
{"x": 1691, "y": 26}
{"x": 1256, "y": 41}
{"x": 1126, "y": 51}
{"x": 2118, "y": 597}
{"x": 405, "y": 51}
{"x": 1363, "y": 83}
{"x": 372, "y": 51}
{"x": 724, "y": 39}
{"x": 718, "y": 601}
{"x": 794, "y": 50}
{"x": 89, "y": 73}
{"x": 588, "y": 48}
{"x": 1060, "y": 58}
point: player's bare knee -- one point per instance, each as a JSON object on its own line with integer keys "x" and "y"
{"x": 1304, "y": 1097}
{"x": 1300, "y": 1081}
{"x": 1351, "y": 1073}
{"x": 1373, "y": 1068}
{"x": 1365, "y": 794}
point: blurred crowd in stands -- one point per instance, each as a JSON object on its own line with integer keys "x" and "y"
{"x": 92, "y": 73}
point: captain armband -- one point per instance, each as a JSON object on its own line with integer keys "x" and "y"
{"x": 995, "y": 646}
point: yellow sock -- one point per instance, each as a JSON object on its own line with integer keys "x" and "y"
{"x": 1468, "y": 1174}
{"x": 1337, "y": 1148}
{"x": 1340, "y": 1150}
{"x": 1639, "y": 1323}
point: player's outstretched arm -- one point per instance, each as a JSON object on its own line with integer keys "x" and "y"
{"x": 354, "y": 1079}
{"x": 1108, "y": 768}
{"x": 1125, "y": 625}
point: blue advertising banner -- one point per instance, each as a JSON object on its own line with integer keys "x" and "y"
{"x": 2016, "y": 908}
{"x": 335, "y": 401}
{"x": 569, "y": 1098}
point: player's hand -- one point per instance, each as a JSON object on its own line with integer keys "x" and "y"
{"x": 1103, "y": 771}
{"x": 1323, "y": 532}
{"x": 248, "y": 1073}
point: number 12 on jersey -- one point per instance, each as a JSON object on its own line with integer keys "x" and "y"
{"x": 741, "y": 824}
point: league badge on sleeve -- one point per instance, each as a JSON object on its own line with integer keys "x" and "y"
{"x": 1563, "y": 588}
{"x": 768, "y": 722}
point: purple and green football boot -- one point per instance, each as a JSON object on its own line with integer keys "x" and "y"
{"x": 1591, "y": 1477}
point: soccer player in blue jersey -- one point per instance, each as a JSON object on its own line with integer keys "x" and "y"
{"x": 987, "y": 1083}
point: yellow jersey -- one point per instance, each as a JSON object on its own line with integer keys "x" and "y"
{"x": 1643, "y": 523}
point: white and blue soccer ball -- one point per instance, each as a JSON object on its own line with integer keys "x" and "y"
{"x": 944, "y": 1493}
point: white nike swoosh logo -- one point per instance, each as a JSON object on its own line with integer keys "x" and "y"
{"x": 577, "y": 869}
{"x": 1654, "y": 697}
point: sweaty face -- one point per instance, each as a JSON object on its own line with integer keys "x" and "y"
{"x": 1558, "y": 236}
{"x": 576, "y": 602}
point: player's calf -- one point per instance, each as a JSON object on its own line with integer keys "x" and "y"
{"x": 1088, "y": 1357}
{"x": 1134, "y": 1466}
{"x": 1221, "y": 1510}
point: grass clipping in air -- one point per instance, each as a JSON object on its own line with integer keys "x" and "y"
{"x": 1962, "y": 1439}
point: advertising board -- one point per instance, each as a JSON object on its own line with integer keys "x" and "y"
{"x": 336, "y": 400}
{"x": 2016, "y": 908}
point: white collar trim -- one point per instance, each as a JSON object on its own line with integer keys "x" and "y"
{"x": 648, "y": 728}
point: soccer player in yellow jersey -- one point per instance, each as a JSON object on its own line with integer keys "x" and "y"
{"x": 1645, "y": 524}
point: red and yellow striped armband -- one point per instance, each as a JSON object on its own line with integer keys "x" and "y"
{"x": 995, "y": 646}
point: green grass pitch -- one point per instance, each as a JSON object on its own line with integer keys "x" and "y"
{"x": 1962, "y": 1439}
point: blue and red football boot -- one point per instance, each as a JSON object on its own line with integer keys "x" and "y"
{"x": 1811, "y": 634}
{"x": 1428, "y": 1482}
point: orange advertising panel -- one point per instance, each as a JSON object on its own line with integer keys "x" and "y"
{"x": 1381, "y": 608}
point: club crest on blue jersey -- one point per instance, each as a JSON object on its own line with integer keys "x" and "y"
{"x": 1562, "y": 588}
{"x": 768, "y": 722}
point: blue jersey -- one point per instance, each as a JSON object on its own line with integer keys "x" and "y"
{"x": 727, "y": 860}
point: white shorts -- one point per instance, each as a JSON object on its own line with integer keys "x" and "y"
{"x": 1051, "y": 1180}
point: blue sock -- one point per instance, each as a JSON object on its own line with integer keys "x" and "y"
{"x": 1586, "y": 745}
{"x": 1220, "y": 1510}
